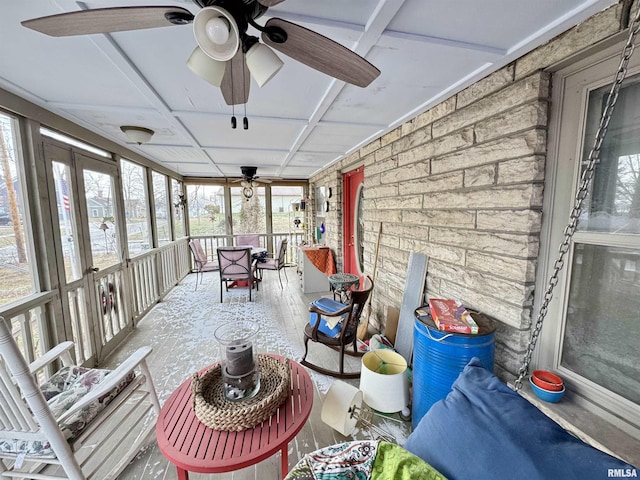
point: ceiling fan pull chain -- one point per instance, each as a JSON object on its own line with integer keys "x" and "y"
{"x": 245, "y": 120}
{"x": 234, "y": 123}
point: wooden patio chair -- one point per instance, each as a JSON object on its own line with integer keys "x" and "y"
{"x": 80, "y": 424}
{"x": 203, "y": 264}
{"x": 236, "y": 265}
{"x": 339, "y": 333}
{"x": 275, "y": 263}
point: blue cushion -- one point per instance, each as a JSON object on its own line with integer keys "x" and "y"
{"x": 485, "y": 430}
{"x": 328, "y": 305}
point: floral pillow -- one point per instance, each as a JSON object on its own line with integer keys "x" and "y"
{"x": 62, "y": 391}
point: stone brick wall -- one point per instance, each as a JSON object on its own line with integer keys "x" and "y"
{"x": 463, "y": 184}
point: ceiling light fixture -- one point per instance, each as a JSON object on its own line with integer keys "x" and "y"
{"x": 262, "y": 61}
{"x": 137, "y": 135}
{"x": 217, "y": 33}
{"x": 247, "y": 192}
{"x": 206, "y": 67}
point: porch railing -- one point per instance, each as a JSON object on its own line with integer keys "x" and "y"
{"x": 151, "y": 276}
{"x": 210, "y": 243}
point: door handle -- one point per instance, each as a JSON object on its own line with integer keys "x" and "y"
{"x": 94, "y": 269}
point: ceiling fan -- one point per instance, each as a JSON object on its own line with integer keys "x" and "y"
{"x": 226, "y": 55}
{"x": 249, "y": 180}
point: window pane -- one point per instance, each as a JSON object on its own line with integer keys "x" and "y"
{"x": 283, "y": 205}
{"x": 613, "y": 203}
{"x": 134, "y": 189}
{"x": 248, "y": 213}
{"x": 65, "y": 200}
{"x": 16, "y": 277}
{"x": 161, "y": 201}
{"x": 603, "y": 326}
{"x": 103, "y": 229}
{"x": 206, "y": 209}
{"x": 178, "y": 210}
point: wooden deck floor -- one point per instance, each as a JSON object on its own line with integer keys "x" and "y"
{"x": 180, "y": 330}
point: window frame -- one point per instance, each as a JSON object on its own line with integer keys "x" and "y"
{"x": 571, "y": 85}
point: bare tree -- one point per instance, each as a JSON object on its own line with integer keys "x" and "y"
{"x": 7, "y": 157}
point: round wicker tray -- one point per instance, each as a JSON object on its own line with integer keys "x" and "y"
{"x": 217, "y": 412}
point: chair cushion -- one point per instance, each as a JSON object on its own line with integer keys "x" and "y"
{"x": 485, "y": 430}
{"x": 330, "y": 326}
{"x": 61, "y": 391}
{"x": 268, "y": 264}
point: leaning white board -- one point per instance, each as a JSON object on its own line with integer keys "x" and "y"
{"x": 412, "y": 299}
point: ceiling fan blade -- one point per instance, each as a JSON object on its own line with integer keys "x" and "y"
{"x": 321, "y": 53}
{"x": 236, "y": 80}
{"x": 106, "y": 20}
{"x": 269, "y": 3}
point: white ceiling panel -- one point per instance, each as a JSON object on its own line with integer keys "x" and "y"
{"x": 238, "y": 157}
{"x": 336, "y": 138}
{"x": 269, "y": 134}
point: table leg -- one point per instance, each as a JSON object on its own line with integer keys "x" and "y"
{"x": 182, "y": 474}
{"x": 284, "y": 460}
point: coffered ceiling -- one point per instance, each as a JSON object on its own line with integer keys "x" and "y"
{"x": 300, "y": 121}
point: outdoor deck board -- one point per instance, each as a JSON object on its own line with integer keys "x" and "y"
{"x": 180, "y": 331}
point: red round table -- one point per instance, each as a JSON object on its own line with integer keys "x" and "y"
{"x": 193, "y": 447}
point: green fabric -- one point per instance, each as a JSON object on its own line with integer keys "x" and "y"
{"x": 395, "y": 463}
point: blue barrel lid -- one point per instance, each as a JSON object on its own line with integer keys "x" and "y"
{"x": 486, "y": 324}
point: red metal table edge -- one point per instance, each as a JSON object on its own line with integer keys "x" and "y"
{"x": 301, "y": 398}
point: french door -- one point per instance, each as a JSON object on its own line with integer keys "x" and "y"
{"x": 353, "y": 200}
{"x": 90, "y": 249}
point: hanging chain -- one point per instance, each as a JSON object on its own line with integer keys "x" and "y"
{"x": 581, "y": 194}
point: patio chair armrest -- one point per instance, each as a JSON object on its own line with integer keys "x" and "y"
{"x": 342, "y": 311}
{"x": 112, "y": 380}
{"x": 59, "y": 351}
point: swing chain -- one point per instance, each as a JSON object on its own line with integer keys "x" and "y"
{"x": 581, "y": 194}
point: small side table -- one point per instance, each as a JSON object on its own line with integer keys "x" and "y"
{"x": 193, "y": 447}
{"x": 340, "y": 283}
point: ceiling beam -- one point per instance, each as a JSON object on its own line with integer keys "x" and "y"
{"x": 384, "y": 12}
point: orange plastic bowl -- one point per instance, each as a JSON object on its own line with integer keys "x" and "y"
{"x": 547, "y": 380}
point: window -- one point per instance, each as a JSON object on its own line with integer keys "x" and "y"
{"x": 16, "y": 266}
{"x": 284, "y": 204}
{"x": 100, "y": 189}
{"x": 161, "y": 206}
{"x": 595, "y": 344}
{"x": 136, "y": 207}
{"x": 67, "y": 221}
{"x": 248, "y": 213}
{"x": 206, "y": 210}
{"x": 178, "y": 208}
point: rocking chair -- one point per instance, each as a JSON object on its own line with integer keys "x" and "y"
{"x": 339, "y": 333}
{"x": 81, "y": 424}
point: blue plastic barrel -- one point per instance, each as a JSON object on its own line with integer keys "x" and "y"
{"x": 439, "y": 357}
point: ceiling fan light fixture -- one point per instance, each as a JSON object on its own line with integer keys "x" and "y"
{"x": 206, "y": 67}
{"x": 217, "y": 33}
{"x": 137, "y": 135}
{"x": 263, "y": 63}
{"x": 217, "y": 29}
